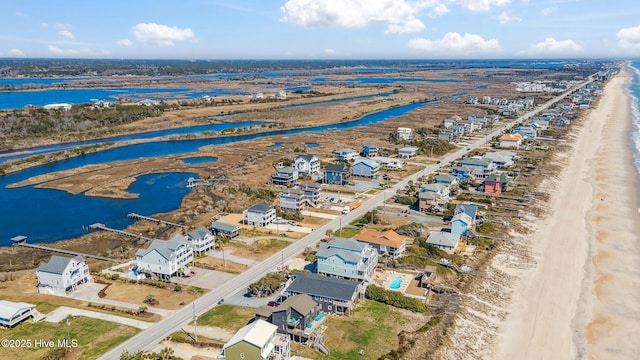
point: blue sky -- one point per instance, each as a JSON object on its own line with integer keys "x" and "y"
{"x": 320, "y": 29}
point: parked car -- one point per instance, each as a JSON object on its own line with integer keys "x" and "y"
{"x": 273, "y": 303}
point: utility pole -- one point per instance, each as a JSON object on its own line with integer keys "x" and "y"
{"x": 195, "y": 322}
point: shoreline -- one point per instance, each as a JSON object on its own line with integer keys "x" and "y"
{"x": 559, "y": 309}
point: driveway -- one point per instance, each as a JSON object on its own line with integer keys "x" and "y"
{"x": 205, "y": 278}
{"x": 63, "y": 312}
{"x": 89, "y": 292}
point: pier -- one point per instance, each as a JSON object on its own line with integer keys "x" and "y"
{"x": 22, "y": 241}
{"x": 103, "y": 227}
{"x": 134, "y": 216}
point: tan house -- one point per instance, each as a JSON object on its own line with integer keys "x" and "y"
{"x": 388, "y": 242}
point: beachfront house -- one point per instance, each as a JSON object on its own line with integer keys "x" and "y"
{"x": 201, "y": 240}
{"x": 312, "y": 193}
{"x": 62, "y": 274}
{"x": 365, "y": 167}
{"x": 408, "y": 152}
{"x": 369, "y": 150}
{"x": 225, "y": 230}
{"x": 446, "y": 241}
{"x": 481, "y": 167}
{"x": 307, "y": 164}
{"x": 298, "y": 315}
{"x": 346, "y": 259}
{"x": 292, "y": 199}
{"x": 257, "y": 341}
{"x": 335, "y": 296}
{"x": 502, "y": 159}
{"x": 495, "y": 184}
{"x": 284, "y": 176}
{"x": 529, "y": 132}
{"x": 14, "y": 313}
{"x": 345, "y": 155}
{"x": 446, "y": 179}
{"x": 461, "y": 223}
{"x": 337, "y": 174}
{"x": 165, "y": 258}
{"x": 470, "y": 210}
{"x": 441, "y": 190}
{"x": 389, "y": 163}
{"x": 259, "y": 215}
{"x": 510, "y": 140}
{"x": 386, "y": 243}
{"x": 405, "y": 134}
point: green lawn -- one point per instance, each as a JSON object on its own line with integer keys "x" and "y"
{"x": 347, "y": 232}
{"x": 229, "y": 317}
{"x": 94, "y": 337}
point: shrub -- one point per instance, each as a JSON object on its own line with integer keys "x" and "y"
{"x": 177, "y": 288}
{"x": 394, "y": 298}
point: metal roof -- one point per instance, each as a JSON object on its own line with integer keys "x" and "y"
{"x": 323, "y": 286}
{"x": 57, "y": 264}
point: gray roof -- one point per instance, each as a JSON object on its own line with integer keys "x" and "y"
{"x": 164, "y": 247}
{"x": 470, "y": 210}
{"x": 441, "y": 238}
{"x": 444, "y": 177}
{"x": 337, "y": 168}
{"x": 323, "y": 286}
{"x": 57, "y": 264}
{"x": 463, "y": 217}
{"x": 347, "y": 249}
{"x": 368, "y": 162}
{"x": 306, "y": 157}
{"x": 302, "y": 303}
{"x": 259, "y": 208}
{"x": 433, "y": 188}
{"x": 199, "y": 233}
{"x": 475, "y": 162}
{"x": 9, "y": 309}
{"x": 218, "y": 225}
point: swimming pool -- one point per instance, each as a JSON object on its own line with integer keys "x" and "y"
{"x": 395, "y": 283}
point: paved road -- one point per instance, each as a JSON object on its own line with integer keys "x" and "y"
{"x": 149, "y": 339}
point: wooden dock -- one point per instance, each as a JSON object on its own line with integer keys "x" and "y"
{"x": 134, "y": 216}
{"x": 66, "y": 252}
{"x": 103, "y": 227}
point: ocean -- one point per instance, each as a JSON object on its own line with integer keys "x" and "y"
{"x": 633, "y": 89}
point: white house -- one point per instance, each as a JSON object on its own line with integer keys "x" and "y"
{"x": 307, "y": 164}
{"x": 408, "y": 152}
{"x": 510, "y": 140}
{"x": 390, "y": 163}
{"x": 405, "y": 134}
{"x": 346, "y": 155}
{"x": 201, "y": 240}
{"x": 446, "y": 241}
{"x": 13, "y": 313}
{"x": 259, "y": 215}
{"x": 502, "y": 159}
{"x": 292, "y": 199}
{"x": 441, "y": 190}
{"x": 165, "y": 258}
{"x": 62, "y": 274}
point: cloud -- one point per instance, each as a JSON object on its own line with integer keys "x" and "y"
{"x": 44, "y": 25}
{"x": 75, "y": 52}
{"x": 505, "y": 18}
{"x": 66, "y": 33}
{"x": 453, "y": 44}
{"x": 548, "y": 11}
{"x": 125, "y": 42}
{"x": 400, "y": 16}
{"x": 160, "y": 35}
{"x": 552, "y": 47}
{"x": 629, "y": 38}
{"x": 330, "y": 52}
{"x": 63, "y": 26}
{"x": 479, "y": 5}
{"x": 15, "y": 53}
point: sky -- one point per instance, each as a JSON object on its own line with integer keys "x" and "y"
{"x": 320, "y": 29}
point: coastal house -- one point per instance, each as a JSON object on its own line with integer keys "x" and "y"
{"x": 441, "y": 190}
{"x": 201, "y": 240}
{"x": 449, "y": 122}
{"x": 14, "y": 313}
{"x": 429, "y": 201}
{"x": 365, "y": 167}
{"x": 462, "y": 172}
{"x": 448, "y": 180}
{"x": 60, "y": 106}
{"x": 429, "y": 276}
{"x": 386, "y": 243}
{"x": 446, "y": 241}
{"x": 369, "y": 150}
{"x": 312, "y": 193}
{"x": 502, "y": 159}
{"x": 62, "y": 274}
{"x": 285, "y": 176}
{"x": 335, "y": 296}
{"x": 390, "y": 163}
{"x": 346, "y": 259}
{"x": 446, "y": 135}
{"x": 222, "y": 229}
{"x": 259, "y": 215}
{"x": 165, "y": 258}
{"x": 481, "y": 167}
{"x": 510, "y": 140}
{"x": 405, "y": 134}
{"x": 337, "y": 174}
{"x": 257, "y": 341}
{"x": 529, "y": 132}
{"x": 495, "y": 184}
{"x": 298, "y": 315}
{"x": 408, "y": 152}
{"x": 470, "y": 210}
{"x": 461, "y": 223}
{"x": 148, "y": 102}
{"x": 345, "y": 155}
{"x": 292, "y": 199}
{"x": 307, "y": 164}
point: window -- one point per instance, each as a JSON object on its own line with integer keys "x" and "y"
{"x": 241, "y": 355}
{"x": 329, "y": 307}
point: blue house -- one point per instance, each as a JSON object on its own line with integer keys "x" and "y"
{"x": 462, "y": 172}
{"x": 461, "y": 223}
{"x": 365, "y": 167}
{"x": 347, "y": 259}
{"x": 337, "y": 174}
{"x": 470, "y": 210}
{"x": 369, "y": 150}
{"x": 527, "y": 131}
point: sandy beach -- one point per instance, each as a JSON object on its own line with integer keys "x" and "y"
{"x": 582, "y": 300}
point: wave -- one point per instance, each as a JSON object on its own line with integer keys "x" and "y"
{"x": 633, "y": 91}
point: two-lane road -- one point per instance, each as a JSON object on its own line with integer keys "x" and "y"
{"x": 149, "y": 339}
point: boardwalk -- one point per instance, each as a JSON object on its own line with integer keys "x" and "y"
{"x": 67, "y": 252}
{"x": 103, "y": 227}
{"x": 135, "y": 216}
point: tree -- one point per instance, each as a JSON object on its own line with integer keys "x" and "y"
{"x": 166, "y": 353}
{"x": 329, "y": 233}
{"x": 150, "y": 298}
